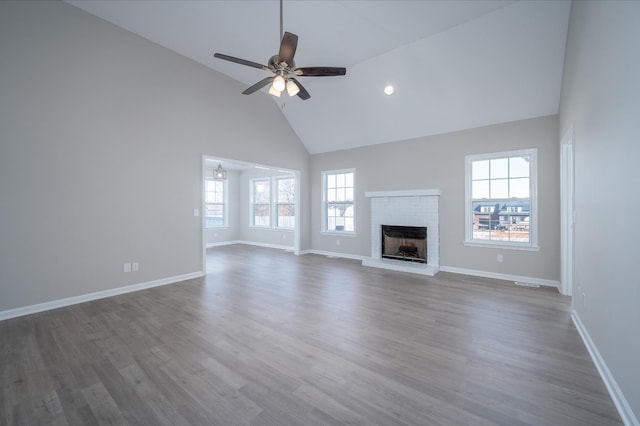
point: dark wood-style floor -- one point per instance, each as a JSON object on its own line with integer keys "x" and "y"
{"x": 268, "y": 338}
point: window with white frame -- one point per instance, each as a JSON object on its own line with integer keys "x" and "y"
{"x": 273, "y": 198}
{"x": 338, "y": 201}
{"x": 285, "y": 202}
{"x": 261, "y": 202}
{"x": 215, "y": 203}
{"x": 501, "y": 200}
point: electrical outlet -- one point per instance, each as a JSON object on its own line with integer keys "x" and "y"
{"x": 135, "y": 267}
{"x": 337, "y": 242}
{"x": 499, "y": 258}
{"x": 126, "y": 267}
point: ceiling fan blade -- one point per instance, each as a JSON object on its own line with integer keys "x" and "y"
{"x": 241, "y": 61}
{"x": 259, "y": 85}
{"x": 302, "y": 94}
{"x": 319, "y": 71}
{"x": 288, "y": 48}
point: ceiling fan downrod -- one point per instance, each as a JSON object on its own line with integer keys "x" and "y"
{"x": 281, "y": 24}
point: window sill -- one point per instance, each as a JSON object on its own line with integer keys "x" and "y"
{"x": 216, "y": 228}
{"x": 269, "y": 228}
{"x": 501, "y": 246}
{"x": 342, "y": 233}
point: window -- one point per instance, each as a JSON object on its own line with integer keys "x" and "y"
{"x": 215, "y": 203}
{"x": 285, "y": 202}
{"x": 338, "y": 202}
{"x": 501, "y": 205}
{"x": 273, "y": 197}
{"x": 261, "y": 202}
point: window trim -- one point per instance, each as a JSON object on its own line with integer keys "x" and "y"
{"x": 225, "y": 204}
{"x": 273, "y": 202}
{"x": 252, "y": 203}
{"x": 323, "y": 204}
{"x": 277, "y": 204}
{"x": 532, "y": 245}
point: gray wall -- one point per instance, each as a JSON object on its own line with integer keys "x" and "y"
{"x": 601, "y": 99}
{"x": 102, "y": 135}
{"x": 437, "y": 162}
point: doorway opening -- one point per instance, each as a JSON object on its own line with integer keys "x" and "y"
{"x": 249, "y": 203}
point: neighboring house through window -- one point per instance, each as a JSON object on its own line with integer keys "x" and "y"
{"x": 215, "y": 203}
{"x": 338, "y": 201}
{"x": 501, "y": 203}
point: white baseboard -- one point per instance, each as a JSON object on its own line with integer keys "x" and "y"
{"x": 250, "y": 243}
{"x": 625, "y": 411}
{"x": 498, "y": 276}
{"x": 267, "y": 245}
{"x": 223, "y": 243}
{"x": 335, "y": 254}
{"x": 60, "y": 303}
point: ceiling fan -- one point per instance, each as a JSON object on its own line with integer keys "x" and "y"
{"x": 284, "y": 68}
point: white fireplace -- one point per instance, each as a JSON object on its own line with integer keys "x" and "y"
{"x": 418, "y": 208}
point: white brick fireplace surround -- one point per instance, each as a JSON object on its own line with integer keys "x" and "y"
{"x": 405, "y": 208}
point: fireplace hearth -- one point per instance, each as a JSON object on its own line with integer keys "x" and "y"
{"x": 408, "y": 243}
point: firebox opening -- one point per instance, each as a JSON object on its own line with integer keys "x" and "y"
{"x": 407, "y": 243}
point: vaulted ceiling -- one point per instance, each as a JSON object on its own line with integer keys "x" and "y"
{"x": 454, "y": 64}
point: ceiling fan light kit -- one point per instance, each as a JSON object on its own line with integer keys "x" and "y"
{"x": 284, "y": 68}
{"x": 272, "y": 91}
{"x": 292, "y": 88}
{"x": 278, "y": 82}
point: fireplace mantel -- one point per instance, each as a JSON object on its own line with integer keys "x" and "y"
{"x": 414, "y": 207}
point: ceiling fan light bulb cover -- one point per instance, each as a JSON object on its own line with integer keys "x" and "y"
{"x": 273, "y": 91}
{"x": 292, "y": 88}
{"x": 279, "y": 83}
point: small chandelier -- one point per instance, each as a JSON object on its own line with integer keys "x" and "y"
{"x": 219, "y": 173}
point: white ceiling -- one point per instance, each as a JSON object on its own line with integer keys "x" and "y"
{"x": 454, "y": 64}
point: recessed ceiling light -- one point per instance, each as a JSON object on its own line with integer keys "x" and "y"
{"x": 388, "y": 89}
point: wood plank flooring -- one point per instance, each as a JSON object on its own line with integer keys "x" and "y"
{"x": 268, "y": 338}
